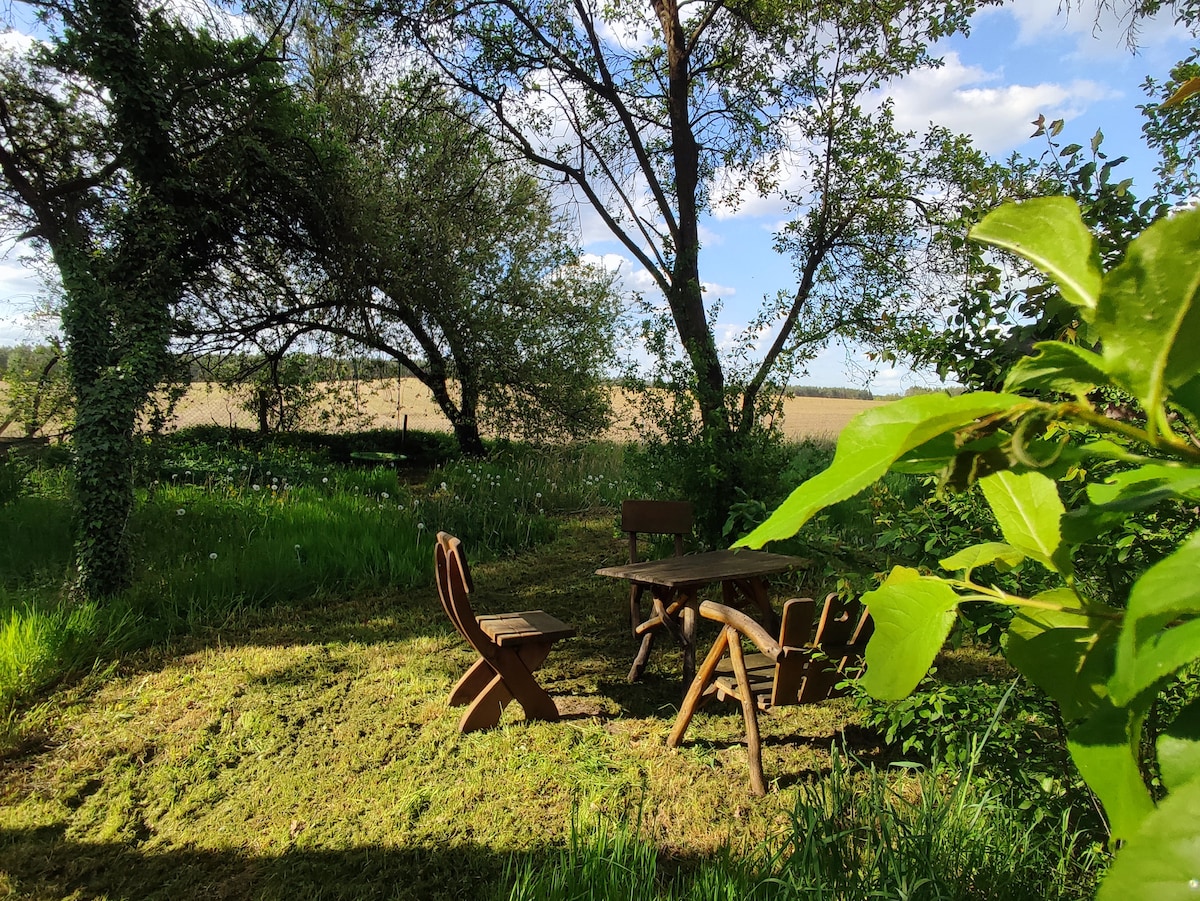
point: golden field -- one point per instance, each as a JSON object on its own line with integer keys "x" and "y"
{"x": 386, "y": 403}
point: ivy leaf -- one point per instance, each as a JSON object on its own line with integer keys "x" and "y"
{"x": 1149, "y": 310}
{"x": 1179, "y": 748}
{"x": 1059, "y": 367}
{"x": 868, "y": 446}
{"x": 1049, "y": 233}
{"x": 981, "y": 555}
{"x": 1161, "y": 631}
{"x": 1068, "y": 656}
{"x": 1161, "y": 860}
{"x": 1028, "y": 509}
{"x": 913, "y": 615}
{"x": 1105, "y": 750}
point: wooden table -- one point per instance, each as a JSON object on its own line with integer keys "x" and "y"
{"x": 675, "y": 582}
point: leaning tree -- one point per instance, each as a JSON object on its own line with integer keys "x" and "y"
{"x": 442, "y": 252}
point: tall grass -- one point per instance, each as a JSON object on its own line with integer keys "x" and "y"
{"x": 936, "y": 834}
{"x": 219, "y": 529}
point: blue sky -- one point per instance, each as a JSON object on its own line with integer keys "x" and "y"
{"x": 1020, "y": 61}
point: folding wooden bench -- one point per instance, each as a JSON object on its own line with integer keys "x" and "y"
{"x": 511, "y": 646}
{"x": 790, "y": 670}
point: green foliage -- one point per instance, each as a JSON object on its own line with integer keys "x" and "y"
{"x": 844, "y": 837}
{"x": 1104, "y": 665}
{"x": 38, "y": 388}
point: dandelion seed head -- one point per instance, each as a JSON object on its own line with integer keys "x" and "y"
{"x": 180, "y": 512}
{"x": 212, "y": 556}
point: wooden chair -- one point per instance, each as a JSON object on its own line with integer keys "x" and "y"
{"x": 511, "y": 646}
{"x": 792, "y": 670}
{"x": 672, "y": 518}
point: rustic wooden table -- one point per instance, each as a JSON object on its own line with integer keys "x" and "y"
{"x": 675, "y": 583}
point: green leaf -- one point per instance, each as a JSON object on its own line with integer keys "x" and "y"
{"x": 1028, "y": 509}
{"x": 1050, "y": 234}
{"x": 1161, "y": 860}
{"x": 1064, "y": 368}
{"x": 982, "y": 555}
{"x": 1068, "y": 656}
{"x": 1156, "y": 480}
{"x": 868, "y": 445}
{"x": 1105, "y": 750}
{"x": 1161, "y": 632}
{"x": 913, "y": 615}
{"x": 1149, "y": 310}
{"x": 1179, "y": 748}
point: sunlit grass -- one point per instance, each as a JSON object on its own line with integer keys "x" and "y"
{"x": 221, "y": 529}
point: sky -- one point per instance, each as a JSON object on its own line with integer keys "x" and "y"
{"x": 1020, "y": 61}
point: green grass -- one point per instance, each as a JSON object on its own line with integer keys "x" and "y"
{"x": 271, "y": 722}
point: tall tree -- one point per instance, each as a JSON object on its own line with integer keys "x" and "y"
{"x": 134, "y": 149}
{"x": 656, "y": 112}
{"x": 443, "y": 253}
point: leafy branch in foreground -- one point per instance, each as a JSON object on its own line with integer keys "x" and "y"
{"x": 1104, "y": 665}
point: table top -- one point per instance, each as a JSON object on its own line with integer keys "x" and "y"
{"x": 702, "y": 569}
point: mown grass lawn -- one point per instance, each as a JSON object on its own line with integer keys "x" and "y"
{"x": 309, "y": 752}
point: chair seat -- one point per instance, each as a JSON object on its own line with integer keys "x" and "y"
{"x": 761, "y": 671}
{"x": 524, "y": 627}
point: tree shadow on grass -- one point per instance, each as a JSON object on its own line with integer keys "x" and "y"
{"x": 44, "y": 863}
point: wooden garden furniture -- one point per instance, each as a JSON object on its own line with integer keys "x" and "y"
{"x": 639, "y": 517}
{"x": 798, "y": 668}
{"x": 511, "y": 647}
{"x": 675, "y": 582}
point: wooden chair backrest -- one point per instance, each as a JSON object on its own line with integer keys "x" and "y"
{"x": 802, "y": 677}
{"x": 656, "y": 518}
{"x": 454, "y": 587}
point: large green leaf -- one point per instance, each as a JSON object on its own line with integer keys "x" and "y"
{"x": 868, "y": 445}
{"x": 1105, "y": 750}
{"x": 1161, "y": 860}
{"x": 913, "y": 615}
{"x": 1154, "y": 480}
{"x": 1128, "y": 492}
{"x": 1161, "y": 632}
{"x": 1028, "y": 509}
{"x": 1049, "y": 232}
{"x": 1179, "y": 748}
{"x": 1065, "y": 368}
{"x": 1149, "y": 311}
{"x": 1068, "y": 656}
{"x": 983, "y": 554}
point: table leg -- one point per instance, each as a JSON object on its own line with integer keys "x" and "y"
{"x": 757, "y": 592}
{"x": 687, "y": 639}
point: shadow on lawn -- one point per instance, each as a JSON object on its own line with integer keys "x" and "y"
{"x": 44, "y": 863}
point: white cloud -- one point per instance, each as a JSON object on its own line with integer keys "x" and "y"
{"x": 971, "y": 100}
{"x": 1096, "y": 37}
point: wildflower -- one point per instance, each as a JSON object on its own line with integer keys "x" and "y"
{"x": 385, "y": 495}
{"x": 274, "y": 487}
{"x": 180, "y": 512}
{"x": 256, "y": 487}
{"x": 325, "y": 481}
{"x": 420, "y": 526}
{"x": 539, "y": 495}
{"x": 212, "y": 556}
{"x": 443, "y": 486}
